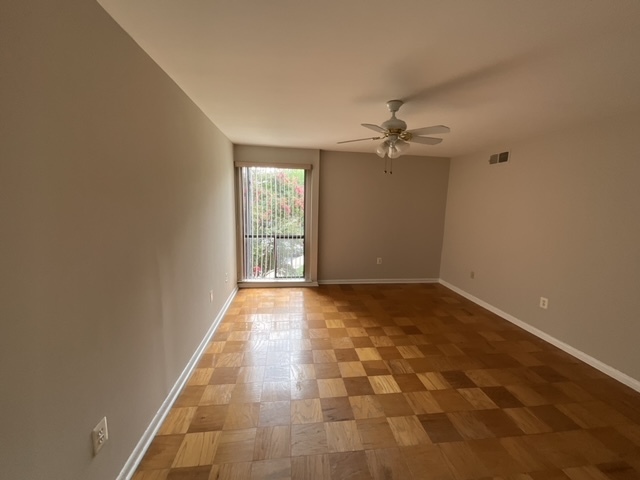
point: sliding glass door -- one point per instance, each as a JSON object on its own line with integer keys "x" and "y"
{"x": 273, "y": 223}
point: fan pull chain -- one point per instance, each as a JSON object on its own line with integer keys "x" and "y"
{"x": 388, "y": 165}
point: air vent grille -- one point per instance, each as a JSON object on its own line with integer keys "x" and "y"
{"x": 501, "y": 157}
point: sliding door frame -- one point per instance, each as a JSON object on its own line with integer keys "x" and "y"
{"x": 251, "y": 156}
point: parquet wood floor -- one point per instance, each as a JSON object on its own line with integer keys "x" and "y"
{"x": 390, "y": 382}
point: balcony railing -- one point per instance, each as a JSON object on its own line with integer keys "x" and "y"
{"x": 274, "y": 257}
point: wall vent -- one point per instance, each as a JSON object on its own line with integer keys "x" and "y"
{"x": 502, "y": 157}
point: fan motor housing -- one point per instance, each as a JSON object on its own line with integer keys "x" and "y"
{"x": 394, "y": 124}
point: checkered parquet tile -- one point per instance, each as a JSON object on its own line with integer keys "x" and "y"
{"x": 390, "y": 382}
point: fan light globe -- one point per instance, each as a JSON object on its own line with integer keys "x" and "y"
{"x": 402, "y": 146}
{"x": 393, "y": 148}
{"x": 382, "y": 149}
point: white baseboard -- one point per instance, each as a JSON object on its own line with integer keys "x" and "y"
{"x": 277, "y": 284}
{"x": 594, "y": 362}
{"x": 147, "y": 437}
{"x": 381, "y": 281}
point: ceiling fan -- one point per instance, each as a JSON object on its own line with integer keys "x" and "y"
{"x": 395, "y": 134}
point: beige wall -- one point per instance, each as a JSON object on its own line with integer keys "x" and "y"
{"x": 560, "y": 220}
{"x": 117, "y": 220}
{"x": 365, "y": 214}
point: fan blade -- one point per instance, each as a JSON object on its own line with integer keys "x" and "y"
{"x": 374, "y": 127}
{"x": 430, "y": 130}
{"x": 426, "y": 140}
{"x": 361, "y": 139}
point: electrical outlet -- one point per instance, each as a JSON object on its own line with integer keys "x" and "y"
{"x": 226, "y": 277}
{"x": 379, "y": 260}
{"x": 472, "y": 274}
{"x": 210, "y": 296}
{"x": 544, "y": 302}
{"x": 99, "y": 435}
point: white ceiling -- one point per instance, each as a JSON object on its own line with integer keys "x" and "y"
{"x": 307, "y": 73}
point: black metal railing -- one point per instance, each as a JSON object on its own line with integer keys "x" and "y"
{"x": 274, "y": 256}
